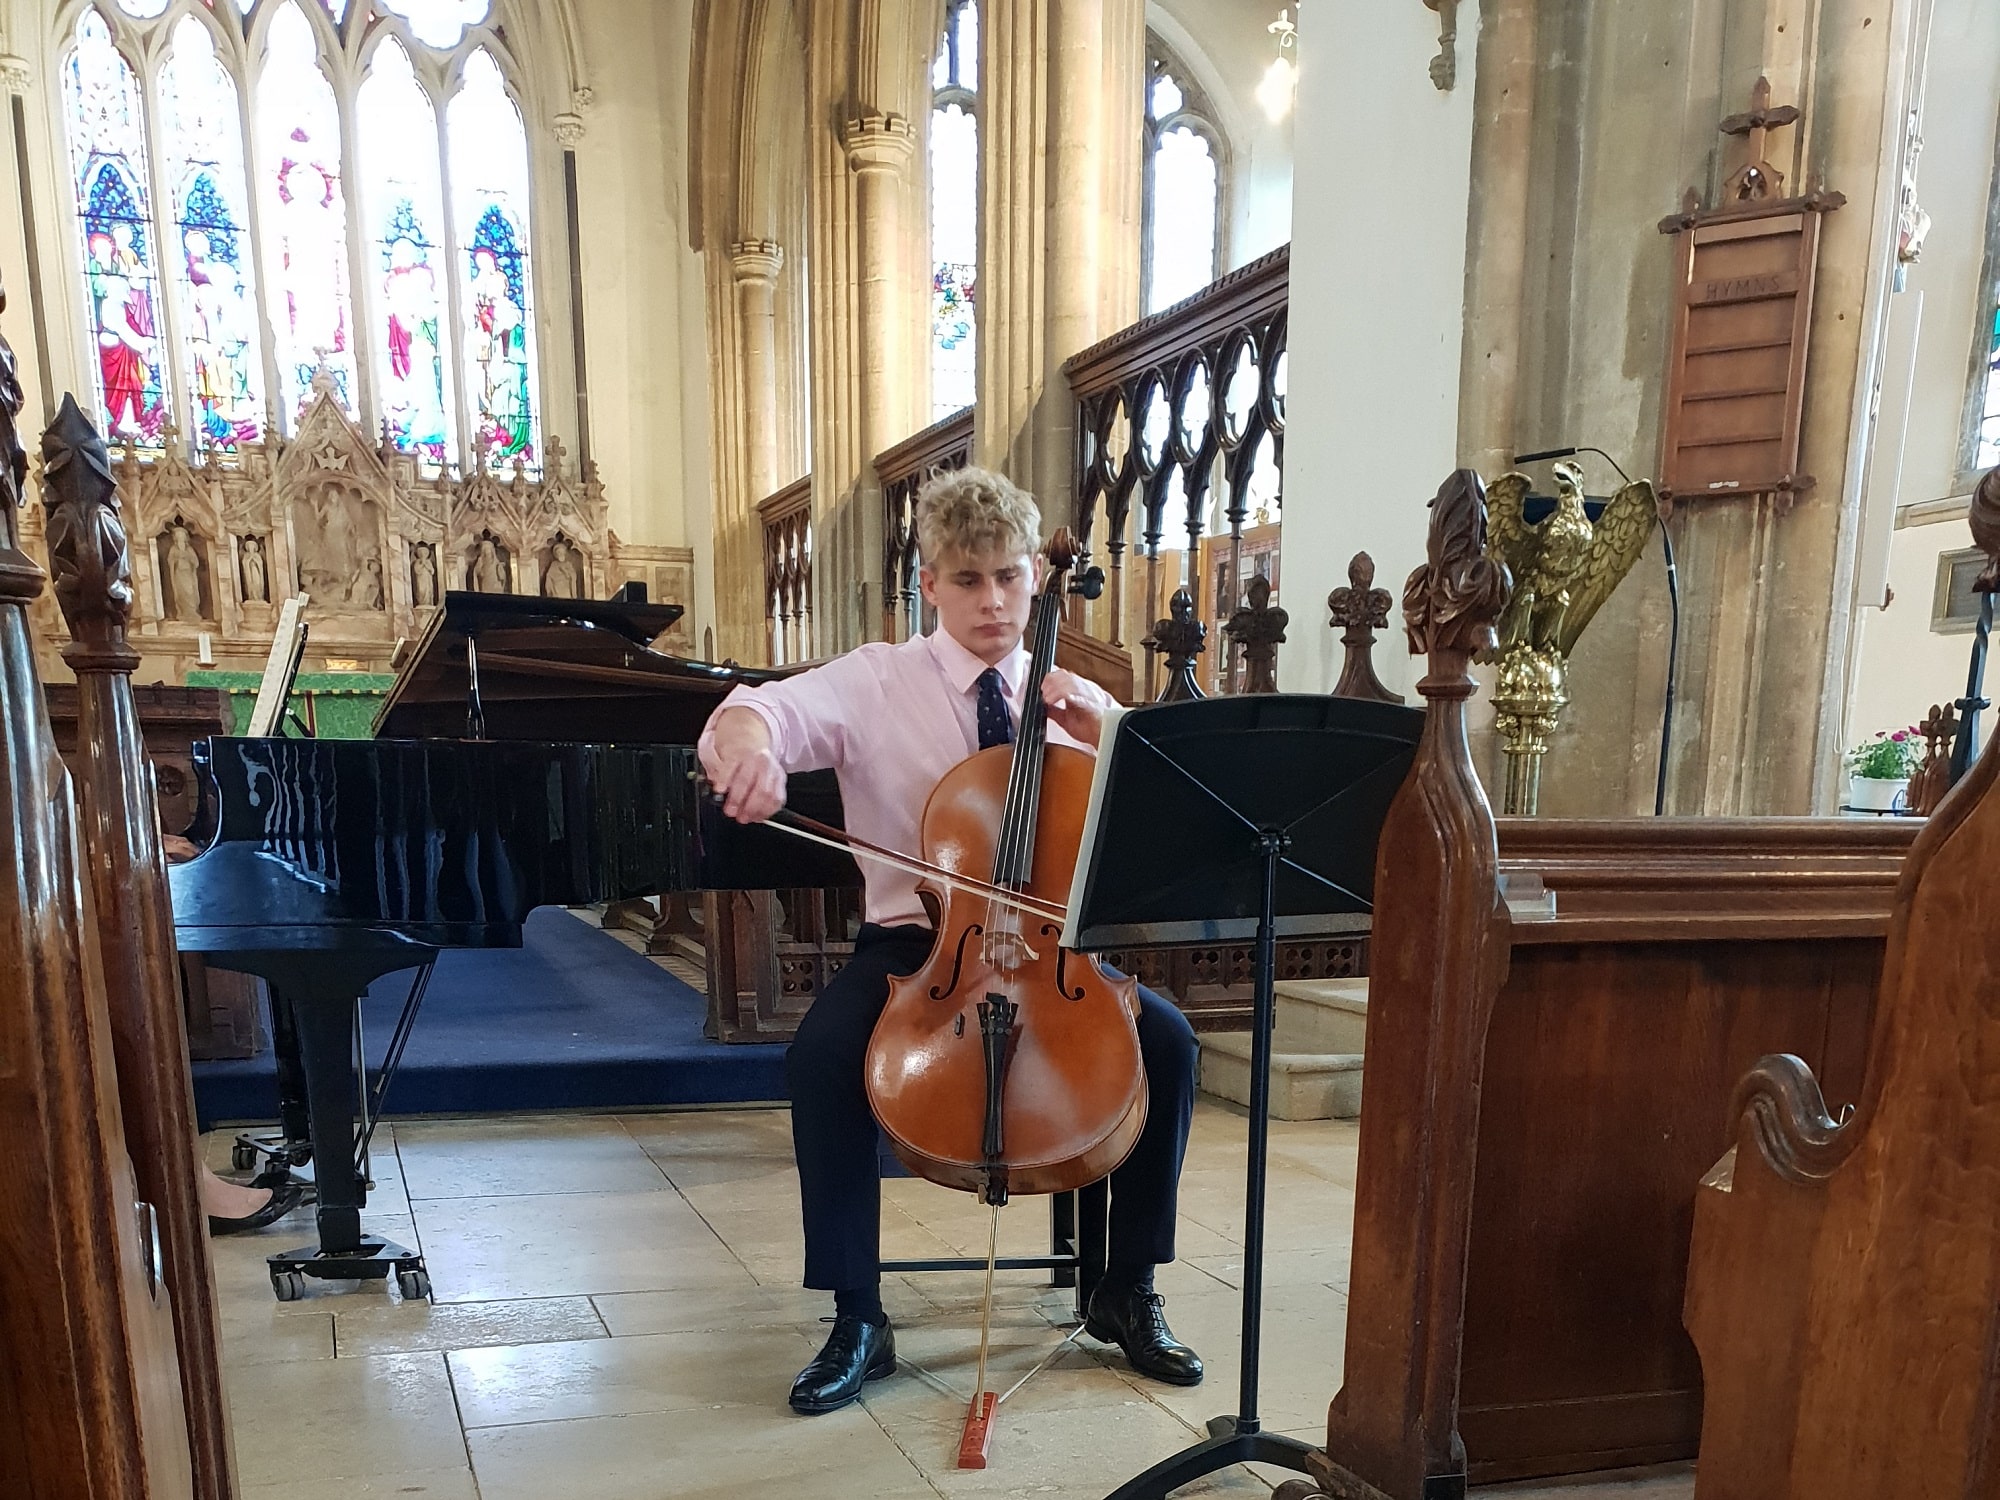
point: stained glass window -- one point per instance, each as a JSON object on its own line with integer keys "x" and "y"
{"x": 305, "y": 213}
{"x": 209, "y": 259}
{"x": 1989, "y": 421}
{"x": 954, "y": 163}
{"x": 423, "y": 323}
{"x": 108, "y": 157}
{"x": 489, "y": 184}
{"x": 407, "y": 272}
{"x": 1183, "y": 186}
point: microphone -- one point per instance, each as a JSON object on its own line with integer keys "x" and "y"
{"x": 1535, "y": 458}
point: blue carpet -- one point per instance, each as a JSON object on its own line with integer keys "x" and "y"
{"x": 572, "y": 1019}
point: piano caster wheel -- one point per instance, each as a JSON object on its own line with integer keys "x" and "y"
{"x": 414, "y": 1284}
{"x": 289, "y": 1285}
{"x": 243, "y": 1156}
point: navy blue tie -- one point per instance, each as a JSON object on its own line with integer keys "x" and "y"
{"x": 996, "y": 725}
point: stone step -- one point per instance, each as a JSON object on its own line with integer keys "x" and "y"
{"x": 1304, "y": 1085}
{"x": 1319, "y": 1037}
{"x": 1321, "y": 1015}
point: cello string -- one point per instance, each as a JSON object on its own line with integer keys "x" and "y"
{"x": 1033, "y": 905}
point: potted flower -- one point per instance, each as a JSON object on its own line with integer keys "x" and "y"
{"x": 1879, "y": 770}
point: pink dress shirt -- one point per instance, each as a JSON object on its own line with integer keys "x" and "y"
{"x": 889, "y": 720}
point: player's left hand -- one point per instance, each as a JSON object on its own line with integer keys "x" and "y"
{"x": 1075, "y": 705}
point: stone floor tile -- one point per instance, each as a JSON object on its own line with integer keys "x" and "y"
{"x": 682, "y": 1137}
{"x": 1324, "y": 1266}
{"x": 499, "y": 1157}
{"x": 719, "y": 1453}
{"x": 1085, "y": 1451}
{"x": 363, "y": 1328}
{"x": 627, "y": 1314}
{"x": 429, "y": 1484}
{"x": 574, "y": 1244}
{"x": 1304, "y": 1332}
{"x": 660, "y": 1372}
{"x": 344, "y": 1418}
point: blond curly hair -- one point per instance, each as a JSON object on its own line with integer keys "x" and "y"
{"x": 976, "y": 513}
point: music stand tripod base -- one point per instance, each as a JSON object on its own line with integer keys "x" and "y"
{"x": 370, "y": 1260}
{"x": 1212, "y": 822}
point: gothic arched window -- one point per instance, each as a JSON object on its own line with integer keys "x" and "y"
{"x": 1183, "y": 225}
{"x": 358, "y": 114}
{"x": 955, "y": 210}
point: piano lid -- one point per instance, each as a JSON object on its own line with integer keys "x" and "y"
{"x": 556, "y": 669}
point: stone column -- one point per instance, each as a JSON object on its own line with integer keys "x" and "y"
{"x": 1013, "y": 243}
{"x": 880, "y": 148}
{"x": 756, "y": 264}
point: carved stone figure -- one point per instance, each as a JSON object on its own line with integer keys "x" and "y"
{"x": 489, "y": 572}
{"x": 367, "y": 589}
{"x": 423, "y": 575}
{"x": 561, "y": 580}
{"x": 184, "y": 575}
{"x": 255, "y": 584}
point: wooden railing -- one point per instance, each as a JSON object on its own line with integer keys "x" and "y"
{"x": 902, "y": 471}
{"x": 787, "y": 523}
{"x": 1175, "y": 413}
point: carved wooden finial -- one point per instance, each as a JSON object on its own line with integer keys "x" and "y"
{"x": 1360, "y": 609}
{"x": 1933, "y": 778}
{"x": 13, "y": 457}
{"x": 1259, "y": 628}
{"x": 1452, "y": 601}
{"x": 88, "y": 551}
{"x": 1984, "y": 516}
{"x": 1182, "y": 637}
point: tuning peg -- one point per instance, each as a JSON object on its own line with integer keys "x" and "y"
{"x": 1088, "y": 582}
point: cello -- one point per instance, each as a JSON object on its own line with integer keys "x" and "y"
{"x": 1006, "y": 1064}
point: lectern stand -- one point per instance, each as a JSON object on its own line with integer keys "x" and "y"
{"x": 1216, "y": 821}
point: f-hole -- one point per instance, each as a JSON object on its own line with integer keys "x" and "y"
{"x": 950, "y": 988}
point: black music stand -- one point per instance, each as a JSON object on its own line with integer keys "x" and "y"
{"x": 1216, "y": 821}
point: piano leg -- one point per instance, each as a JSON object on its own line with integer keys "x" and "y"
{"x": 325, "y": 1029}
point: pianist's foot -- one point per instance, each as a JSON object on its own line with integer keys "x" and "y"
{"x": 856, "y": 1352}
{"x": 1132, "y": 1315}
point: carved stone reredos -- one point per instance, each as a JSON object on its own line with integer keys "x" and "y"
{"x": 284, "y": 491}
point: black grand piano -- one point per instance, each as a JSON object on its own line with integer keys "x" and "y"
{"x": 327, "y": 864}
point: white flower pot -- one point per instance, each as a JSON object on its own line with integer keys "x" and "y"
{"x": 1874, "y": 794}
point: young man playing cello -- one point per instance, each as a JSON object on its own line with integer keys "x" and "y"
{"x": 891, "y": 720}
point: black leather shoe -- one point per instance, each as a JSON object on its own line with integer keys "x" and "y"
{"x": 856, "y": 1352}
{"x": 1134, "y": 1319}
{"x": 285, "y": 1198}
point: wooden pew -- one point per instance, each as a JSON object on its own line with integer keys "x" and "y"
{"x": 90, "y": 1400}
{"x": 1844, "y": 1289}
{"x": 120, "y": 835}
{"x": 1545, "y": 1091}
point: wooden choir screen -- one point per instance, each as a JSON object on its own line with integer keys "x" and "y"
{"x": 902, "y": 471}
{"x": 1172, "y": 410}
{"x": 786, "y": 520}
{"x": 90, "y": 1385}
{"x": 1548, "y": 1078}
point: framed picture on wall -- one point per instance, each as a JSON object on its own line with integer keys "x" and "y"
{"x": 1223, "y": 595}
{"x": 1954, "y": 602}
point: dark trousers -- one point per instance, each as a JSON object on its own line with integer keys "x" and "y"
{"x": 834, "y": 1131}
